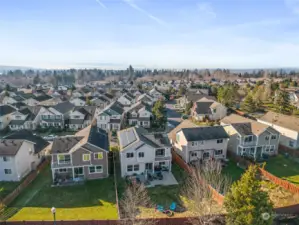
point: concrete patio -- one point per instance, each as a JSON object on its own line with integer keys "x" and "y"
{"x": 168, "y": 179}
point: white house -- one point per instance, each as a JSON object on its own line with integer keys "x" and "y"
{"x": 79, "y": 101}
{"x": 111, "y": 118}
{"x": 81, "y": 117}
{"x": 139, "y": 114}
{"x": 142, "y": 152}
{"x": 126, "y": 100}
{"x": 156, "y": 94}
{"x": 20, "y": 153}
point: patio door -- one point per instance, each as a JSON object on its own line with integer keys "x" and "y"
{"x": 149, "y": 166}
{"x": 78, "y": 172}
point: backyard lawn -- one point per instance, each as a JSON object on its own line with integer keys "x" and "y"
{"x": 284, "y": 167}
{"x": 233, "y": 171}
{"x": 7, "y": 187}
{"x": 94, "y": 200}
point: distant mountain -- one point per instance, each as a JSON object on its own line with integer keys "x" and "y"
{"x": 6, "y": 68}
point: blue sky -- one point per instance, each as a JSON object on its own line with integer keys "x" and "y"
{"x": 150, "y": 33}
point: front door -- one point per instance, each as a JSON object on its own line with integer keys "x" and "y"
{"x": 78, "y": 172}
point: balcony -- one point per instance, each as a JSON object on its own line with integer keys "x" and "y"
{"x": 61, "y": 165}
{"x": 248, "y": 144}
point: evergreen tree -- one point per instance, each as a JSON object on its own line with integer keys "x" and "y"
{"x": 158, "y": 112}
{"x": 248, "y": 105}
{"x": 188, "y": 108}
{"x": 246, "y": 203}
{"x": 282, "y": 102}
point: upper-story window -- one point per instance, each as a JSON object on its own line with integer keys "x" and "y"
{"x": 134, "y": 114}
{"x": 273, "y": 137}
{"x": 219, "y": 141}
{"x": 141, "y": 154}
{"x": 130, "y": 155}
{"x": 64, "y": 159}
{"x": 193, "y": 143}
{"x": 98, "y": 155}
{"x": 6, "y": 159}
{"x": 160, "y": 152}
{"x": 267, "y": 138}
{"x": 248, "y": 138}
{"x": 86, "y": 157}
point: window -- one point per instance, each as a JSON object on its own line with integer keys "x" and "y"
{"x": 177, "y": 137}
{"x": 57, "y": 116}
{"x": 141, "y": 154}
{"x": 219, "y": 152}
{"x": 130, "y": 155}
{"x": 248, "y": 139}
{"x": 76, "y": 117}
{"x": 64, "y": 159}
{"x": 219, "y": 141}
{"x": 206, "y": 155}
{"x": 267, "y": 138}
{"x": 162, "y": 163}
{"x": 193, "y": 154}
{"x": 98, "y": 155}
{"x": 62, "y": 171}
{"x": 6, "y": 159}
{"x": 86, "y": 157}
{"x": 129, "y": 168}
{"x": 7, "y": 171}
{"x": 272, "y": 148}
{"x": 273, "y": 137}
{"x": 18, "y": 117}
{"x": 160, "y": 152}
{"x": 95, "y": 169}
{"x": 291, "y": 143}
{"x": 252, "y": 150}
{"x": 267, "y": 148}
{"x": 192, "y": 143}
{"x": 136, "y": 167}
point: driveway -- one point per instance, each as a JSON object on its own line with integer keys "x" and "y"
{"x": 173, "y": 117}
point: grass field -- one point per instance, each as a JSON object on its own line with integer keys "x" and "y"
{"x": 284, "y": 168}
{"x": 7, "y": 187}
{"x": 233, "y": 171}
{"x": 93, "y": 200}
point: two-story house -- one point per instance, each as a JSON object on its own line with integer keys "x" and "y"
{"x": 142, "y": 152}
{"x": 208, "y": 109}
{"x": 20, "y": 153}
{"x": 111, "y": 118}
{"x": 77, "y": 158}
{"x": 81, "y": 117}
{"x": 287, "y": 126}
{"x": 201, "y": 143}
{"x": 192, "y": 96}
{"x": 139, "y": 114}
{"x": 127, "y": 100}
{"x": 146, "y": 98}
{"x": 5, "y": 115}
{"x": 249, "y": 137}
{"x": 156, "y": 94}
{"x": 80, "y": 101}
{"x": 100, "y": 102}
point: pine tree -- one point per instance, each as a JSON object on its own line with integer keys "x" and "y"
{"x": 246, "y": 203}
{"x": 248, "y": 105}
{"x": 282, "y": 102}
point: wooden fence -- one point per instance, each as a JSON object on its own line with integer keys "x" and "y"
{"x": 28, "y": 180}
{"x": 178, "y": 160}
{"x": 290, "y": 151}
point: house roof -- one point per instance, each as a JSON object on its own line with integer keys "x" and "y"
{"x": 6, "y": 109}
{"x": 193, "y": 96}
{"x": 98, "y": 137}
{"x": 64, "y": 107}
{"x": 39, "y": 142}
{"x": 204, "y": 133}
{"x": 17, "y": 122}
{"x": 10, "y": 147}
{"x": 137, "y": 106}
{"x": 203, "y": 107}
{"x": 42, "y": 98}
{"x": 183, "y": 124}
{"x": 76, "y": 121}
{"x": 289, "y": 122}
{"x": 64, "y": 144}
{"x": 245, "y": 126}
{"x": 19, "y": 105}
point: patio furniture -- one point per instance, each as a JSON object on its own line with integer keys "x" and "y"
{"x": 176, "y": 208}
{"x": 161, "y": 209}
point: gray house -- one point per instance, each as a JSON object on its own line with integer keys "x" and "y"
{"x": 249, "y": 137}
{"x": 80, "y": 158}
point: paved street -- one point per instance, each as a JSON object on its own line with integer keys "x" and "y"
{"x": 173, "y": 117}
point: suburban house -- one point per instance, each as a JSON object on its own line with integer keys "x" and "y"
{"x": 79, "y": 101}
{"x": 5, "y": 115}
{"x": 143, "y": 152}
{"x": 208, "y": 109}
{"x": 111, "y": 118}
{"x": 146, "y": 98}
{"x": 287, "y": 126}
{"x": 77, "y": 158}
{"x": 81, "y": 117}
{"x": 192, "y": 96}
{"x": 139, "y": 114}
{"x": 26, "y": 118}
{"x": 201, "y": 143}
{"x": 156, "y": 94}
{"x": 20, "y": 153}
{"x": 126, "y": 99}
{"x": 249, "y": 137}
{"x": 100, "y": 102}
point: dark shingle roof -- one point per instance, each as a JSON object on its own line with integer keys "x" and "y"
{"x": 76, "y": 121}
{"x": 64, "y": 107}
{"x": 19, "y": 105}
{"x": 64, "y": 144}
{"x": 99, "y": 138}
{"x": 203, "y": 107}
{"x": 6, "y": 109}
{"x": 39, "y": 142}
{"x": 10, "y": 147}
{"x": 42, "y": 98}
{"x": 243, "y": 128}
{"x": 17, "y": 122}
{"x": 204, "y": 133}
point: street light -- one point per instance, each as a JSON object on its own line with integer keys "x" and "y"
{"x": 53, "y": 210}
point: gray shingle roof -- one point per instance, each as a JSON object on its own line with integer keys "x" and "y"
{"x": 64, "y": 144}
{"x": 99, "y": 138}
{"x": 6, "y": 109}
{"x": 76, "y": 121}
{"x": 64, "y": 107}
{"x": 203, "y": 107}
{"x": 10, "y": 147}
{"x": 204, "y": 133}
{"x": 17, "y": 122}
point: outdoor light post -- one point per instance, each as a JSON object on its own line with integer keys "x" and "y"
{"x": 53, "y": 210}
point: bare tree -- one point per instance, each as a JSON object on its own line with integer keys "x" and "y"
{"x": 199, "y": 190}
{"x": 135, "y": 198}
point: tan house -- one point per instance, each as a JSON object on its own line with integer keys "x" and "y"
{"x": 77, "y": 158}
{"x": 287, "y": 126}
{"x": 249, "y": 137}
{"x": 201, "y": 143}
{"x": 208, "y": 109}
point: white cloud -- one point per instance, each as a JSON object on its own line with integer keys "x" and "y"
{"x": 152, "y": 17}
{"x": 293, "y": 5}
{"x": 206, "y": 8}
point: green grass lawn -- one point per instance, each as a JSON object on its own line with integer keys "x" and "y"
{"x": 7, "y": 187}
{"x": 93, "y": 200}
{"x": 284, "y": 168}
{"x": 233, "y": 171}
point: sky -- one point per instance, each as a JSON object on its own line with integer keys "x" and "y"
{"x": 150, "y": 33}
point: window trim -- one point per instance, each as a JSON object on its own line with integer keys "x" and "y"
{"x": 84, "y": 159}
{"x": 97, "y": 154}
{"x": 64, "y": 155}
{"x": 95, "y": 169}
{"x": 219, "y": 141}
{"x": 131, "y": 170}
{"x": 139, "y": 153}
{"x": 7, "y": 170}
{"x": 129, "y": 154}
